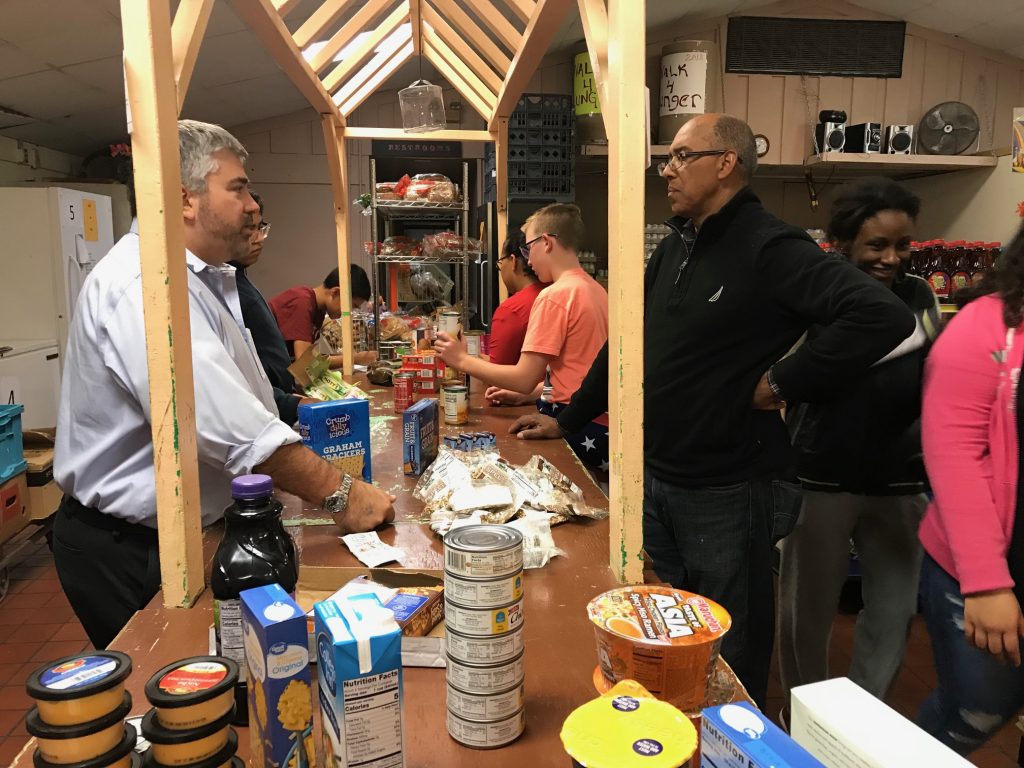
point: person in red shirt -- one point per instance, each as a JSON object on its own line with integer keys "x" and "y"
{"x": 508, "y": 325}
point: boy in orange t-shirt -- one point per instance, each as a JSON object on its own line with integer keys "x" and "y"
{"x": 567, "y": 328}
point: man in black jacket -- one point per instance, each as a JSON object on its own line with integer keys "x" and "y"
{"x": 727, "y": 295}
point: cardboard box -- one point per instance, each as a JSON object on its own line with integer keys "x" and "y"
{"x": 14, "y": 509}
{"x": 339, "y": 431}
{"x": 843, "y": 725}
{"x": 420, "y": 431}
{"x": 43, "y": 500}
{"x": 358, "y": 647}
{"x": 737, "y": 735}
{"x": 279, "y": 677}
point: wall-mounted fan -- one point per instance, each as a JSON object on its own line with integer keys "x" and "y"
{"x": 949, "y": 128}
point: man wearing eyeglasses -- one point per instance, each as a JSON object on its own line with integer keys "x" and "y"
{"x": 727, "y": 294}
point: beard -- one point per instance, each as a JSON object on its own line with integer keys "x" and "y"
{"x": 230, "y": 239}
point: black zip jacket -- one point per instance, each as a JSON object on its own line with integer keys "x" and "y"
{"x": 717, "y": 315}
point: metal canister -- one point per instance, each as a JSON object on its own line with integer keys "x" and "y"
{"x": 485, "y": 707}
{"x": 495, "y": 649}
{"x": 456, "y": 405}
{"x": 474, "y": 342}
{"x": 483, "y": 622}
{"x": 483, "y": 551}
{"x": 490, "y": 679}
{"x": 486, "y": 735}
{"x": 404, "y": 396}
{"x": 483, "y": 593}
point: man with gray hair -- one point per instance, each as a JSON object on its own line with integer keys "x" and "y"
{"x": 727, "y": 294}
{"x": 104, "y": 534}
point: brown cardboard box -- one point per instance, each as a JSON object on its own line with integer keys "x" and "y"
{"x": 43, "y": 500}
{"x": 14, "y": 514}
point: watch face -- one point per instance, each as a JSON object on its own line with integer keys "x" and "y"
{"x": 761, "y": 143}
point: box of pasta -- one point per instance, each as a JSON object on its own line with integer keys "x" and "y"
{"x": 339, "y": 431}
{"x": 280, "y": 691}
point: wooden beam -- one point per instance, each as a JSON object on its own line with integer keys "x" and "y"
{"x": 149, "y": 80}
{"x": 284, "y": 7}
{"x": 187, "y": 32}
{"x": 399, "y": 58}
{"x": 538, "y": 36}
{"x": 594, "y": 14}
{"x": 472, "y": 34}
{"x": 494, "y": 20}
{"x": 522, "y": 8}
{"x": 483, "y": 107}
{"x": 323, "y": 17}
{"x": 361, "y": 19}
{"x": 365, "y": 74}
{"x": 500, "y": 135}
{"x": 626, "y": 163}
{"x": 267, "y": 25}
{"x": 456, "y": 63}
{"x": 470, "y": 56}
{"x": 340, "y": 73}
{"x": 398, "y": 133}
{"x": 414, "y": 20}
{"x": 337, "y": 163}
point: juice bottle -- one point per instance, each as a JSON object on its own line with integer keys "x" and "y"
{"x": 937, "y": 273}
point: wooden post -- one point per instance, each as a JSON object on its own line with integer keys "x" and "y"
{"x": 626, "y": 165}
{"x": 190, "y": 21}
{"x": 149, "y": 73}
{"x": 501, "y": 186}
{"x": 337, "y": 161}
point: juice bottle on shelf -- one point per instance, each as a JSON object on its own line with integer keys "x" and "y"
{"x": 937, "y": 273}
{"x": 959, "y": 266}
{"x": 914, "y": 264}
{"x": 979, "y": 261}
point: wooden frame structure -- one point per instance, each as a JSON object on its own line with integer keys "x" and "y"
{"x": 488, "y": 50}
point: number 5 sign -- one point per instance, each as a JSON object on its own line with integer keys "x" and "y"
{"x": 683, "y": 83}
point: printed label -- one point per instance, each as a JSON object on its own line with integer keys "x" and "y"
{"x": 76, "y": 673}
{"x": 190, "y": 678}
{"x": 230, "y": 642}
{"x": 373, "y": 720}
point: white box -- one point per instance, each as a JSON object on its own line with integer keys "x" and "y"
{"x": 844, "y": 726}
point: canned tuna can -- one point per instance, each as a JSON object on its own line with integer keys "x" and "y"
{"x": 480, "y": 593}
{"x": 485, "y": 680}
{"x": 404, "y": 396}
{"x": 486, "y": 735}
{"x": 483, "y": 551}
{"x": 483, "y": 622}
{"x": 483, "y": 650}
{"x": 485, "y": 707}
{"x": 456, "y": 405}
{"x": 474, "y": 342}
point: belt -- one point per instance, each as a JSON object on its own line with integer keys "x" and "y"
{"x": 92, "y": 517}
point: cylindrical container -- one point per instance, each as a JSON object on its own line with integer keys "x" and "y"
{"x": 486, "y": 735}
{"x": 121, "y": 756}
{"x": 485, "y": 707}
{"x": 185, "y": 748}
{"x": 494, "y": 649}
{"x": 474, "y": 342}
{"x": 689, "y": 85}
{"x": 255, "y": 551}
{"x": 404, "y": 396}
{"x": 456, "y": 405}
{"x": 586, "y": 103}
{"x": 483, "y": 551}
{"x": 450, "y": 323}
{"x": 193, "y": 692}
{"x": 65, "y": 744}
{"x": 489, "y": 679}
{"x": 481, "y": 593}
{"x": 225, "y": 758}
{"x": 483, "y": 622}
{"x": 422, "y": 107}
{"x": 79, "y": 689}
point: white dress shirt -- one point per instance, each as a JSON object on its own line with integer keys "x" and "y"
{"x": 104, "y": 450}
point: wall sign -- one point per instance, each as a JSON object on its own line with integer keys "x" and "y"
{"x": 584, "y": 86}
{"x": 684, "y": 79}
{"x": 420, "y": 148}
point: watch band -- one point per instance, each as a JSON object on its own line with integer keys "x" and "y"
{"x": 337, "y": 502}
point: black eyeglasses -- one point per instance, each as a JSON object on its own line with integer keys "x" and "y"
{"x": 525, "y": 247}
{"x": 677, "y": 158}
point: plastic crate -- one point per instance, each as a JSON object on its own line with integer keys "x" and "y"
{"x": 12, "y": 459}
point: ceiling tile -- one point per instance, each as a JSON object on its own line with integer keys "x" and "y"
{"x": 232, "y": 58}
{"x": 224, "y": 20}
{"x": 950, "y": 22}
{"x": 63, "y": 45}
{"x": 896, "y": 8}
{"x": 106, "y": 75}
{"x": 53, "y": 136}
{"x": 998, "y": 37}
{"x": 15, "y": 61}
{"x": 32, "y": 19}
{"x": 1018, "y": 51}
{"x": 51, "y": 94}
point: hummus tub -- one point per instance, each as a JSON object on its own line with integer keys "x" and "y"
{"x": 65, "y": 744}
{"x": 223, "y": 759}
{"x": 79, "y": 689}
{"x": 175, "y": 747}
{"x": 193, "y": 692}
{"x": 121, "y": 756}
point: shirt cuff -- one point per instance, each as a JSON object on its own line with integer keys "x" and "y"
{"x": 774, "y": 386}
{"x": 244, "y": 458}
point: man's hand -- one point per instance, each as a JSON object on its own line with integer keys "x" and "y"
{"x": 764, "y": 398}
{"x": 993, "y": 623}
{"x": 364, "y": 358}
{"x": 499, "y": 396}
{"x": 536, "y": 426}
{"x": 368, "y": 507}
{"x": 308, "y": 400}
{"x": 452, "y": 351}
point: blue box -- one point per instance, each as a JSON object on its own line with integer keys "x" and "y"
{"x": 12, "y": 455}
{"x": 738, "y": 736}
{"x": 419, "y": 436}
{"x": 279, "y": 679}
{"x": 339, "y": 431}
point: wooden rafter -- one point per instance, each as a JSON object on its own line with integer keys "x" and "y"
{"x": 187, "y": 32}
{"x": 340, "y": 73}
{"x": 323, "y": 17}
{"x": 522, "y": 8}
{"x": 472, "y": 35}
{"x": 264, "y": 21}
{"x": 284, "y": 7}
{"x": 466, "y": 75}
{"x": 398, "y": 58}
{"x": 367, "y": 71}
{"x": 495, "y": 21}
{"x": 482, "y": 106}
{"x": 469, "y": 56}
{"x": 337, "y": 163}
{"x": 361, "y": 19}
{"x": 536, "y": 39}
{"x": 594, "y": 14}
{"x": 500, "y": 136}
{"x": 414, "y": 20}
{"x": 398, "y": 133}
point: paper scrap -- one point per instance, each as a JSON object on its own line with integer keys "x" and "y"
{"x": 370, "y": 550}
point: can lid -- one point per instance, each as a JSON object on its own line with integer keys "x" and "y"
{"x": 483, "y": 538}
{"x": 191, "y": 681}
{"x": 247, "y": 487}
{"x": 227, "y": 753}
{"x": 156, "y": 732}
{"x": 36, "y": 727}
{"x": 125, "y": 747}
{"x": 75, "y": 677}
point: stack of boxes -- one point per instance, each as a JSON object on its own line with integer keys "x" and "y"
{"x": 14, "y": 509}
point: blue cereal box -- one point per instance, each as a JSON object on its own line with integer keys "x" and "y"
{"x": 280, "y": 692}
{"x": 738, "y": 736}
{"x": 359, "y": 652}
{"x": 419, "y": 436}
{"x": 339, "y": 430}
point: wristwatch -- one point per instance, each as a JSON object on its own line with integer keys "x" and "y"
{"x": 337, "y": 502}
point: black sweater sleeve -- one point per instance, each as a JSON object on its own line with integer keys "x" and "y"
{"x": 287, "y": 406}
{"x": 861, "y": 319}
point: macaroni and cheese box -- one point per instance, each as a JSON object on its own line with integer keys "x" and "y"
{"x": 419, "y": 436}
{"x": 339, "y": 430}
{"x": 737, "y": 735}
{"x": 359, "y": 651}
{"x": 280, "y": 692}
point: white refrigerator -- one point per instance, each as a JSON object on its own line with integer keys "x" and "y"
{"x": 30, "y": 375}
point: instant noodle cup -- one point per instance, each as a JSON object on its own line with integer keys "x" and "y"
{"x": 67, "y": 744}
{"x": 627, "y": 727}
{"x": 79, "y": 689}
{"x": 665, "y": 639}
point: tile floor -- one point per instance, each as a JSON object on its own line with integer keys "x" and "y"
{"x": 37, "y": 625}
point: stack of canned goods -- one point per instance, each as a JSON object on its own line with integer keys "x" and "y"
{"x": 483, "y": 592}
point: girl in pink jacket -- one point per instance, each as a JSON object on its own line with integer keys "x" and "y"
{"x": 973, "y": 532}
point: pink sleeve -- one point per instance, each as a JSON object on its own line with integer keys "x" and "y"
{"x": 960, "y": 384}
{"x": 549, "y": 324}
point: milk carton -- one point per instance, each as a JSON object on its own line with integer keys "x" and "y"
{"x": 738, "y": 736}
{"x": 359, "y": 650}
{"x": 339, "y": 431}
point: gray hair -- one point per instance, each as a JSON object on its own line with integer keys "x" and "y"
{"x": 732, "y": 133}
{"x": 197, "y": 143}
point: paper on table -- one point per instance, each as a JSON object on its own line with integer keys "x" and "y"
{"x": 370, "y": 550}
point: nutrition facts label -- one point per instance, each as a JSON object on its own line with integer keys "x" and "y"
{"x": 373, "y": 721}
{"x": 228, "y": 614}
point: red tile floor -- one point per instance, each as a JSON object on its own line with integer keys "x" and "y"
{"x": 37, "y": 625}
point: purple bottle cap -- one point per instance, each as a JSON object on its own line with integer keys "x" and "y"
{"x": 246, "y": 487}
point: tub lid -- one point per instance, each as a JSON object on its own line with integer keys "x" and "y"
{"x": 34, "y": 723}
{"x": 191, "y": 681}
{"x": 75, "y": 677}
{"x": 217, "y": 760}
{"x": 156, "y": 733}
{"x": 117, "y": 753}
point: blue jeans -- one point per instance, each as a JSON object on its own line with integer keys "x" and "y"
{"x": 717, "y": 541}
{"x": 976, "y": 695}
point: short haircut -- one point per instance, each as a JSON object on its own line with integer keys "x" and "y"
{"x": 359, "y": 282}
{"x": 858, "y": 201}
{"x": 331, "y": 281}
{"x": 513, "y": 247}
{"x": 732, "y": 133}
{"x": 563, "y": 220}
{"x": 197, "y": 143}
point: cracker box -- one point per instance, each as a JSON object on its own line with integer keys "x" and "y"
{"x": 359, "y": 652}
{"x": 339, "y": 430}
{"x": 280, "y": 691}
{"x": 737, "y": 735}
{"x": 419, "y": 436}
